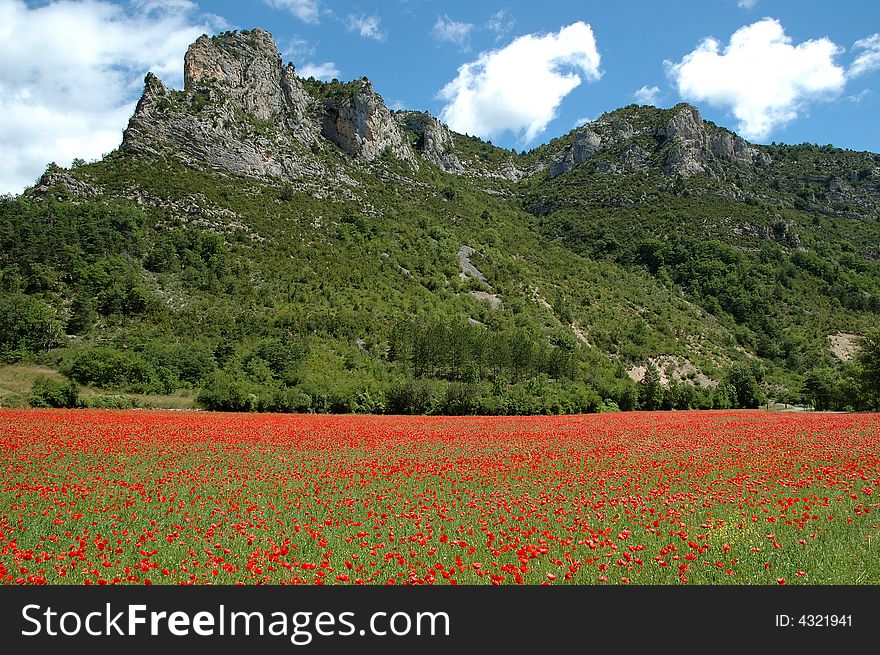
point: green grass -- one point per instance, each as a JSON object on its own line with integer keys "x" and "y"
{"x": 16, "y": 381}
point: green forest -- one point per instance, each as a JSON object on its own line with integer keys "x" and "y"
{"x": 256, "y": 295}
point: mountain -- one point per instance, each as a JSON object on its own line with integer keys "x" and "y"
{"x": 289, "y": 244}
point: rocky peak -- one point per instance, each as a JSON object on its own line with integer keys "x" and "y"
{"x": 434, "y": 140}
{"x": 698, "y": 148}
{"x": 246, "y": 65}
{"x": 630, "y": 139}
{"x": 586, "y": 144}
{"x": 363, "y": 126}
{"x": 240, "y": 111}
{"x": 59, "y": 178}
{"x": 243, "y": 111}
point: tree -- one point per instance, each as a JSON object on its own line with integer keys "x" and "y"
{"x": 27, "y": 324}
{"x": 46, "y": 392}
{"x": 868, "y": 369}
{"x": 82, "y": 314}
{"x": 743, "y": 380}
{"x": 821, "y": 388}
{"x": 650, "y": 391}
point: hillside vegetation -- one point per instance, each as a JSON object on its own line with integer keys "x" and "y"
{"x": 648, "y": 260}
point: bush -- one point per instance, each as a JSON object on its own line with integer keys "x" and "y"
{"x": 46, "y": 392}
{"x": 115, "y": 401}
{"x": 290, "y": 400}
{"x": 461, "y": 399}
{"x": 411, "y": 397}
{"x": 108, "y": 368}
{"x": 868, "y": 362}
{"x": 226, "y": 393}
{"x": 27, "y": 324}
{"x": 743, "y": 380}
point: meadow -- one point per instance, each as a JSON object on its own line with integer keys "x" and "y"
{"x": 668, "y": 498}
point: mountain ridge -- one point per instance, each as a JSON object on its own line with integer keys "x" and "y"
{"x": 333, "y": 227}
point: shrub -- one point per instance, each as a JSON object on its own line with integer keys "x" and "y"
{"x": 291, "y": 400}
{"x": 411, "y": 397}
{"x": 27, "y": 324}
{"x": 225, "y": 392}
{"x": 114, "y": 401}
{"x": 109, "y": 368}
{"x": 46, "y": 392}
{"x": 461, "y": 399}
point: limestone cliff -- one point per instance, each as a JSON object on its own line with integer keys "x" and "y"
{"x": 363, "y": 126}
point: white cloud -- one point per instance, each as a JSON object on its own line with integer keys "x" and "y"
{"x": 500, "y": 23}
{"x": 451, "y": 31}
{"x": 367, "y": 26}
{"x": 869, "y": 60}
{"x": 647, "y": 95}
{"x": 519, "y": 87}
{"x": 326, "y": 71}
{"x": 72, "y": 72}
{"x": 861, "y": 95}
{"x": 305, "y": 10}
{"x": 298, "y": 48}
{"x": 582, "y": 121}
{"x": 764, "y": 79}
{"x": 746, "y": 4}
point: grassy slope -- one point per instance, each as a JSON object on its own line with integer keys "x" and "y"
{"x": 16, "y": 381}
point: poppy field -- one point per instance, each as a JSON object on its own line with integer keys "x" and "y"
{"x": 673, "y": 498}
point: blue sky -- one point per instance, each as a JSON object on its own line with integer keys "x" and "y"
{"x": 517, "y": 72}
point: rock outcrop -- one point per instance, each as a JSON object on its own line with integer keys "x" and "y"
{"x": 586, "y": 144}
{"x": 433, "y": 140}
{"x": 363, "y": 126}
{"x": 243, "y": 111}
{"x": 240, "y": 111}
{"x": 245, "y": 66}
{"x": 695, "y": 148}
{"x": 684, "y": 145}
{"x": 51, "y": 179}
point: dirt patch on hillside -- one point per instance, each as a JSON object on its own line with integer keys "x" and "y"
{"x": 467, "y": 267}
{"x": 672, "y": 367}
{"x": 582, "y": 337}
{"x": 493, "y": 299}
{"x": 844, "y": 345}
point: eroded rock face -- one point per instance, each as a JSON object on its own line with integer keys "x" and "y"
{"x": 435, "y": 142}
{"x": 240, "y": 111}
{"x": 217, "y": 134}
{"x": 245, "y": 65}
{"x": 76, "y": 188}
{"x": 684, "y": 146}
{"x": 697, "y": 149}
{"x": 364, "y": 127}
{"x": 586, "y": 144}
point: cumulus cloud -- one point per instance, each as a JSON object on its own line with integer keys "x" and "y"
{"x": 305, "y": 10}
{"x": 647, "y": 95}
{"x": 760, "y": 76}
{"x": 326, "y": 71}
{"x": 869, "y": 59}
{"x": 582, "y": 121}
{"x": 368, "y": 27}
{"x": 519, "y": 87}
{"x": 450, "y": 31}
{"x": 72, "y": 72}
